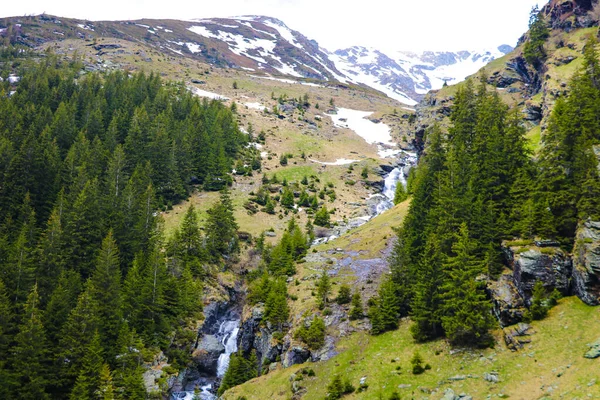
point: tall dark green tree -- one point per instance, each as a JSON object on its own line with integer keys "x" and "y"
{"x": 30, "y": 353}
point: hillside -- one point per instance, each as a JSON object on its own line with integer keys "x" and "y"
{"x": 221, "y": 207}
{"x": 263, "y": 45}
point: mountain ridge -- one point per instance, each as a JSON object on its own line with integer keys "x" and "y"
{"x": 263, "y": 44}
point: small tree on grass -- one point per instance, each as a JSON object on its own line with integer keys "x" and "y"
{"x": 400, "y": 194}
{"x": 538, "y": 309}
{"x": 365, "y": 173}
{"x": 417, "y": 364}
{"x": 314, "y": 335}
{"x": 322, "y": 217}
{"x": 344, "y": 295}
{"x": 338, "y": 388}
{"x": 356, "y": 312}
{"x": 323, "y": 289}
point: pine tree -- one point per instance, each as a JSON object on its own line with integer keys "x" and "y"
{"x": 276, "y": 308}
{"x": 105, "y": 290}
{"x": 30, "y": 352}
{"x": 323, "y": 289}
{"x": 386, "y": 311}
{"x": 344, "y": 295}
{"x": 400, "y": 194}
{"x": 427, "y": 302}
{"x": 356, "y": 312}
{"x": 221, "y": 229}
{"x": 467, "y": 312}
{"x": 106, "y": 390}
{"x": 89, "y": 380}
{"x": 322, "y": 217}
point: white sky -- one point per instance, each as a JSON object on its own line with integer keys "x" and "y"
{"x": 384, "y": 24}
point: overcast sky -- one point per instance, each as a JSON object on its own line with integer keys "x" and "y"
{"x": 385, "y": 24}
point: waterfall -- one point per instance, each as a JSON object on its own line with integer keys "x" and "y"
{"x": 389, "y": 190}
{"x": 229, "y": 331}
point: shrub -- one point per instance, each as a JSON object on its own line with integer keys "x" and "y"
{"x": 417, "y": 364}
{"x": 344, "y": 295}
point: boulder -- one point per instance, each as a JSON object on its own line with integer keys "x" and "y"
{"x": 586, "y": 263}
{"x": 594, "y": 351}
{"x": 551, "y": 266}
{"x": 151, "y": 377}
{"x": 491, "y": 377}
{"x": 207, "y": 354}
{"x": 296, "y": 355}
{"x": 508, "y": 304}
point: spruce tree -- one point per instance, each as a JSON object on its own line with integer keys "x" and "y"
{"x": 30, "y": 352}
{"x": 356, "y": 312}
{"x": 467, "y": 315}
{"x": 105, "y": 290}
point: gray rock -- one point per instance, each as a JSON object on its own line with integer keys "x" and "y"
{"x": 296, "y": 355}
{"x": 458, "y": 378}
{"x": 508, "y": 305}
{"x": 586, "y": 260}
{"x": 553, "y": 270}
{"x": 594, "y": 351}
{"x": 151, "y": 378}
{"x": 207, "y": 353}
{"x": 449, "y": 395}
{"x": 491, "y": 377}
{"x": 405, "y": 386}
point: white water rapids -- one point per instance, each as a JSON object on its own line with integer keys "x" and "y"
{"x": 228, "y": 333}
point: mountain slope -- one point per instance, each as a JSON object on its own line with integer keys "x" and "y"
{"x": 265, "y": 45}
{"x": 408, "y": 76}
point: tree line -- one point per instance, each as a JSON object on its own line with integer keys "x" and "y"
{"x": 479, "y": 185}
{"x": 90, "y": 286}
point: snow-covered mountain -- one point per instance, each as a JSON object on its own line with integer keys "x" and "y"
{"x": 407, "y": 76}
{"x": 269, "y": 45}
{"x": 260, "y": 44}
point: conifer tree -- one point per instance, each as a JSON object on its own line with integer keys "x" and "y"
{"x": 221, "y": 228}
{"x": 276, "y": 308}
{"x": 30, "y": 352}
{"x": 323, "y": 289}
{"x": 105, "y": 290}
{"x": 322, "y": 217}
{"x": 467, "y": 312}
{"x": 89, "y": 380}
{"x": 356, "y": 312}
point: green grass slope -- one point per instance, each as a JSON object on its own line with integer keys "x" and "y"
{"x": 552, "y": 366}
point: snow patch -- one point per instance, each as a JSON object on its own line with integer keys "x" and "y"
{"x": 371, "y": 132}
{"x": 143, "y": 26}
{"x": 175, "y": 51}
{"x": 210, "y": 95}
{"x": 339, "y": 161}
{"x": 82, "y": 26}
{"x": 285, "y": 33}
{"x": 255, "y": 106}
{"x": 193, "y": 47}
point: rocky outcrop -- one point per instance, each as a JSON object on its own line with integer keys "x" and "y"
{"x": 586, "y": 263}
{"x": 508, "y": 305}
{"x": 571, "y": 14}
{"x": 254, "y": 335}
{"x": 594, "y": 351}
{"x": 207, "y": 354}
{"x": 550, "y": 265}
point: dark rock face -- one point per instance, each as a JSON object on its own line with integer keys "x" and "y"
{"x": 586, "y": 260}
{"x": 207, "y": 354}
{"x": 254, "y": 335}
{"x": 552, "y": 268}
{"x": 296, "y": 355}
{"x": 508, "y": 305}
